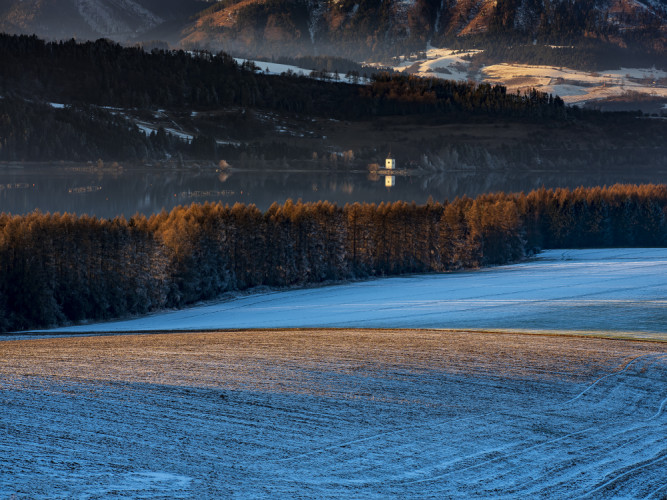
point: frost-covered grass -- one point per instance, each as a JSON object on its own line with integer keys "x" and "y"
{"x": 611, "y": 292}
{"x": 332, "y": 414}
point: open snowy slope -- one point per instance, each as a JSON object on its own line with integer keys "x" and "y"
{"x": 573, "y": 86}
{"x": 578, "y": 87}
{"x": 614, "y": 291}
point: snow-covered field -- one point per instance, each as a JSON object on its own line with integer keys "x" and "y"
{"x": 578, "y": 87}
{"x": 275, "y": 68}
{"x": 359, "y": 413}
{"x": 573, "y": 86}
{"x": 611, "y": 292}
{"x": 272, "y": 68}
{"x": 440, "y": 63}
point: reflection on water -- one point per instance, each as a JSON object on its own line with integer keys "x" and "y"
{"x": 19, "y": 185}
{"x": 147, "y": 190}
{"x": 84, "y": 189}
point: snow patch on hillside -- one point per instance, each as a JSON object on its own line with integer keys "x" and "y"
{"x": 649, "y": 4}
{"x": 578, "y": 87}
{"x": 573, "y": 86}
{"x": 439, "y": 63}
{"x": 275, "y": 68}
{"x": 272, "y": 68}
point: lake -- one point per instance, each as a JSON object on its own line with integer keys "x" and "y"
{"x": 126, "y": 190}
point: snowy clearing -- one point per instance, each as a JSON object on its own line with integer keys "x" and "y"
{"x": 577, "y": 87}
{"x": 278, "y": 69}
{"x": 146, "y": 128}
{"x": 615, "y": 292}
{"x": 275, "y": 68}
{"x": 440, "y": 63}
{"x": 573, "y": 86}
{"x": 331, "y": 414}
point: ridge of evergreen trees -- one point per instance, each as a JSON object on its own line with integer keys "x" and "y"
{"x": 57, "y": 269}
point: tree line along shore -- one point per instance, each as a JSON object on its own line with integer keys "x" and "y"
{"x": 57, "y": 269}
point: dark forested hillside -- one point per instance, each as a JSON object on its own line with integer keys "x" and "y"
{"x": 106, "y": 74}
{"x": 89, "y": 77}
{"x": 55, "y": 269}
{"x": 33, "y": 131}
{"x": 232, "y": 110}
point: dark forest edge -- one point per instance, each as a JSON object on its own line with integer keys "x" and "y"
{"x": 60, "y": 269}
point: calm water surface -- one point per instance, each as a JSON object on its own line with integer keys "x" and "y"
{"x": 109, "y": 192}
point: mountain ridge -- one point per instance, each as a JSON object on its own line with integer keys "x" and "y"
{"x": 414, "y": 23}
{"x": 357, "y": 29}
{"x": 121, "y": 20}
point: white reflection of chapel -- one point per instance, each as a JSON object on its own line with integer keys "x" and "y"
{"x": 390, "y": 164}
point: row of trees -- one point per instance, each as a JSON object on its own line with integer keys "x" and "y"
{"x": 585, "y": 55}
{"x": 405, "y": 94}
{"x": 55, "y": 269}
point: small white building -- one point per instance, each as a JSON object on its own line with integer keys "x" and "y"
{"x": 390, "y": 163}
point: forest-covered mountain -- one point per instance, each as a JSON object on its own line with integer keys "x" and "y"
{"x": 356, "y": 29}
